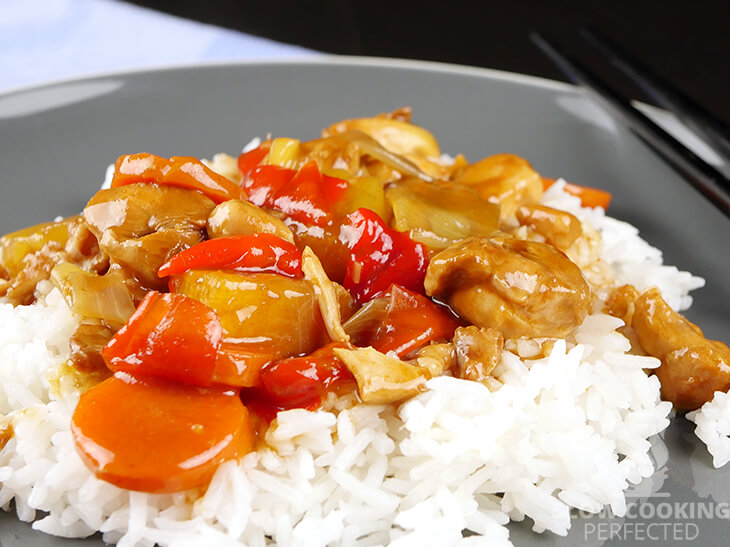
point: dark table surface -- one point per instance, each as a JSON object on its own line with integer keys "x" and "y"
{"x": 685, "y": 41}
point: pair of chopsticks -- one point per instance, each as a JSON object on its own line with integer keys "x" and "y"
{"x": 714, "y": 185}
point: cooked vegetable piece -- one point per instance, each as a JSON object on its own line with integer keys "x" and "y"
{"x": 239, "y": 365}
{"x": 157, "y": 436}
{"x": 396, "y": 141}
{"x": 522, "y": 288}
{"x": 361, "y": 193}
{"x": 264, "y": 182}
{"x": 693, "y": 368}
{"x": 504, "y": 179}
{"x": 400, "y": 321}
{"x": 262, "y": 313}
{"x": 93, "y": 296}
{"x": 392, "y": 165}
{"x": 326, "y": 243}
{"x": 141, "y": 226}
{"x": 237, "y": 217}
{"x": 169, "y": 336}
{"x": 448, "y": 210}
{"x": 182, "y": 171}
{"x": 309, "y": 197}
{"x": 284, "y": 152}
{"x": 380, "y": 378}
{"x": 303, "y": 382}
{"x": 589, "y": 197}
{"x": 305, "y": 195}
{"x": 399, "y": 137}
{"x": 256, "y": 253}
{"x": 380, "y": 256}
{"x": 248, "y": 161}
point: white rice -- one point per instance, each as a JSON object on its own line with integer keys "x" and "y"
{"x": 566, "y": 431}
{"x": 713, "y": 427}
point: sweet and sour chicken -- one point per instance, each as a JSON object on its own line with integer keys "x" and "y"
{"x": 359, "y": 264}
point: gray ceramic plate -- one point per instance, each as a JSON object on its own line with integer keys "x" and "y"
{"x": 56, "y": 141}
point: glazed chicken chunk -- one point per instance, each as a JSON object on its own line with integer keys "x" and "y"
{"x": 140, "y": 226}
{"x": 693, "y": 367}
{"x": 478, "y": 351}
{"x": 522, "y": 288}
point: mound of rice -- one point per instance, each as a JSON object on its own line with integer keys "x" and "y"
{"x": 569, "y": 430}
{"x": 713, "y": 427}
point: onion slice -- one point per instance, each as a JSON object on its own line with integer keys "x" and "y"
{"x": 373, "y": 148}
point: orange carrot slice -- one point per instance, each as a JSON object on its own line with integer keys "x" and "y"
{"x": 589, "y": 197}
{"x": 157, "y": 436}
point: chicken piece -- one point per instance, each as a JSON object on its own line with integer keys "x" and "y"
{"x": 17, "y": 246}
{"x": 559, "y": 228}
{"x": 693, "y": 367}
{"x": 333, "y": 154}
{"x": 140, "y": 226}
{"x": 522, "y": 288}
{"x": 36, "y": 267}
{"x": 237, "y": 217}
{"x": 402, "y": 114}
{"x": 86, "y": 344}
{"x": 326, "y": 294}
{"x": 504, "y": 179}
{"x": 478, "y": 351}
{"x": 436, "y": 358}
{"x": 29, "y": 255}
{"x": 621, "y": 301}
{"x": 380, "y": 378}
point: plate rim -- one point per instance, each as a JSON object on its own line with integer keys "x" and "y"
{"x": 315, "y": 59}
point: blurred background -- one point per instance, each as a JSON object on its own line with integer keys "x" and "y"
{"x": 685, "y": 41}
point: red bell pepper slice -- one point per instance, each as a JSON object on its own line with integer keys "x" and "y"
{"x": 264, "y": 182}
{"x": 252, "y": 253}
{"x": 305, "y": 195}
{"x": 185, "y": 172}
{"x": 589, "y": 197}
{"x": 168, "y": 336}
{"x": 380, "y": 256}
{"x": 248, "y": 161}
{"x": 239, "y": 366}
{"x": 302, "y": 382}
{"x": 407, "y": 322}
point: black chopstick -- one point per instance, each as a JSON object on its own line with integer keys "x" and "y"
{"x": 705, "y": 178}
{"x": 713, "y": 130}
